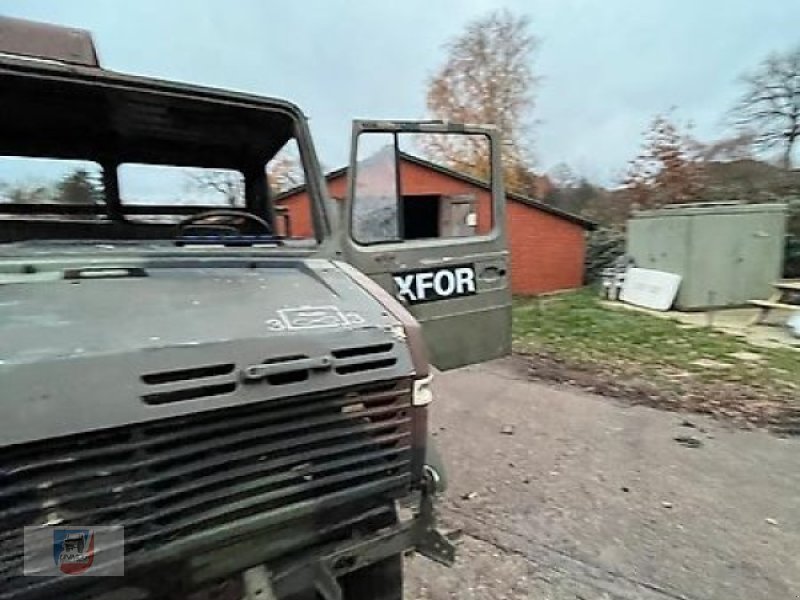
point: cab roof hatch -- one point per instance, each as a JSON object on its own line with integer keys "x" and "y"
{"x": 43, "y": 41}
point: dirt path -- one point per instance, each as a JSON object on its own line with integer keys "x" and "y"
{"x": 584, "y": 497}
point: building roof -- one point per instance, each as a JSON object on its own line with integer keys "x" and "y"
{"x": 521, "y": 198}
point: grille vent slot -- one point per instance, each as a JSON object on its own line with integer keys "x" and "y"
{"x": 366, "y": 366}
{"x": 363, "y": 358}
{"x": 196, "y": 383}
{"x": 362, "y": 350}
{"x": 184, "y": 374}
{"x": 204, "y": 391}
{"x": 288, "y": 377}
{"x": 284, "y": 359}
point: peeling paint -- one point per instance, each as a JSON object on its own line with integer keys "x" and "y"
{"x": 397, "y": 332}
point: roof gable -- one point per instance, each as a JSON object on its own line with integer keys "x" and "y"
{"x": 513, "y": 196}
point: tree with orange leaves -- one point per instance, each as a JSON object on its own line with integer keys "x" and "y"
{"x": 668, "y": 170}
{"x": 487, "y": 79}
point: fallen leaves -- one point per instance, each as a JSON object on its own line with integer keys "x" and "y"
{"x": 747, "y": 404}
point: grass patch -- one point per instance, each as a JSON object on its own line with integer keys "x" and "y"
{"x": 578, "y": 329}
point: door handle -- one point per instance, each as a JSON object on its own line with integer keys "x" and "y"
{"x": 492, "y": 272}
{"x": 382, "y": 259}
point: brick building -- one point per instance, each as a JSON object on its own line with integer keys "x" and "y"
{"x": 547, "y": 245}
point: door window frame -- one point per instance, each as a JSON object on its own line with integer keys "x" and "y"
{"x": 497, "y": 232}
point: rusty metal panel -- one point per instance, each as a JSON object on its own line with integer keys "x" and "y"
{"x": 48, "y": 42}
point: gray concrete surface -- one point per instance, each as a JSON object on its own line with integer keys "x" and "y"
{"x": 733, "y": 321}
{"x": 590, "y": 498}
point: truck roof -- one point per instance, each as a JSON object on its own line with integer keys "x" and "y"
{"x": 44, "y": 47}
{"x": 52, "y": 65}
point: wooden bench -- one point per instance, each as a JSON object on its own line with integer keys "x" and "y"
{"x": 785, "y": 297}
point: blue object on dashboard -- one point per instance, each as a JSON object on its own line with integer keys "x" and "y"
{"x": 227, "y": 240}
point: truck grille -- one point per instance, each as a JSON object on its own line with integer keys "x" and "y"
{"x": 168, "y": 480}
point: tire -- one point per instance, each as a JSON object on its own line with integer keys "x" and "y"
{"x": 380, "y": 581}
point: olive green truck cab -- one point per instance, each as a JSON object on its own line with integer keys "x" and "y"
{"x": 236, "y": 377}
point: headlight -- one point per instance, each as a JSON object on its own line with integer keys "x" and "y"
{"x": 423, "y": 394}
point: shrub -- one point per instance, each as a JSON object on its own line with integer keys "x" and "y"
{"x": 603, "y": 247}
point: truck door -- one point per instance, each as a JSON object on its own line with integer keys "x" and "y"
{"x": 425, "y": 218}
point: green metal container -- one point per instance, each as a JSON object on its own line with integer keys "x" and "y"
{"x": 726, "y": 253}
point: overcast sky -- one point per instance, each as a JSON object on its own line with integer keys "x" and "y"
{"x": 607, "y": 66}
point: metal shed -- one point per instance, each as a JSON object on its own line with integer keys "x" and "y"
{"x": 726, "y": 253}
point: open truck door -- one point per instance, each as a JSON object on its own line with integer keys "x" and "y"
{"x": 425, "y": 218}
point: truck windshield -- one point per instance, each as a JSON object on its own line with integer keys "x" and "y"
{"x": 81, "y": 161}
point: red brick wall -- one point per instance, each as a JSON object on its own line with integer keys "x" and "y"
{"x": 417, "y": 180}
{"x": 299, "y": 216}
{"x": 547, "y": 251}
{"x": 300, "y": 212}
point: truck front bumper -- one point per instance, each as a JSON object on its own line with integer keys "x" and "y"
{"x": 321, "y": 571}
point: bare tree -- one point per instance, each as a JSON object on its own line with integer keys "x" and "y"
{"x": 26, "y": 193}
{"x": 770, "y": 105}
{"x": 735, "y": 147}
{"x": 563, "y": 177}
{"x": 227, "y": 184}
{"x": 76, "y": 187}
{"x": 487, "y": 78}
{"x": 285, "y": 172}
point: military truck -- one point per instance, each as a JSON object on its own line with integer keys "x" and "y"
{"x": 237, "y": 382}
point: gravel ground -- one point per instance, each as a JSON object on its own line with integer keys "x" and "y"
{"x": 563, "y": 494}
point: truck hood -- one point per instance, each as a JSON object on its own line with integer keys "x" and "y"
{"x": 99, "y": 347}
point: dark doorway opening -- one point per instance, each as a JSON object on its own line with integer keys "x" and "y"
{"x": 421, "y": 216}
